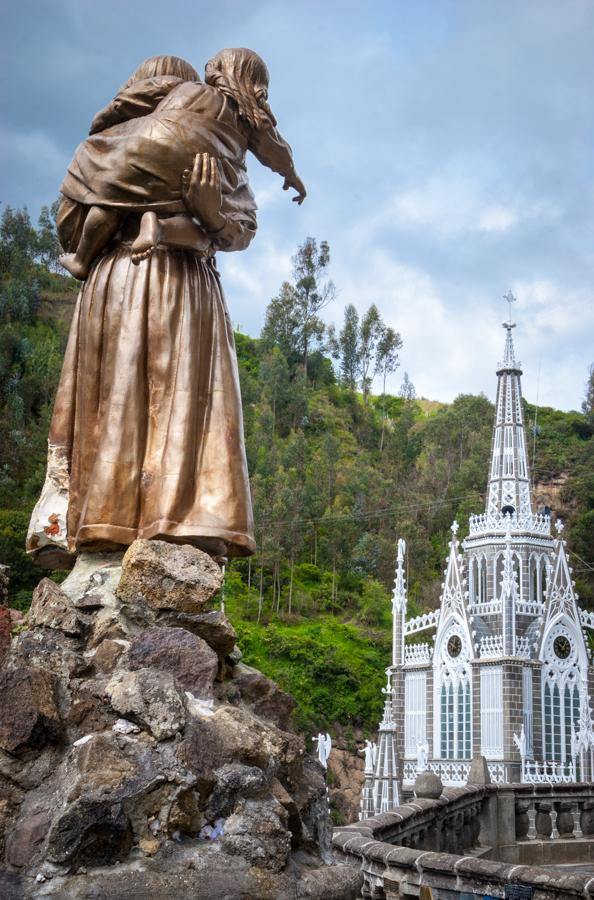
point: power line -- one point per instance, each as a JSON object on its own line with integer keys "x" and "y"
{"x": 378, "y": 513}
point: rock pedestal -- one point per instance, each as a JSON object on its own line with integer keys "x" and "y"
{"x": 138, "y": 757}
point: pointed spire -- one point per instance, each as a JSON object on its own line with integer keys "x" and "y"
{"x": 561, "y": 597}
{"x": 453, "y": 592}
{"x": 399, "y": 602}
{"x": 380, "y": 789}
{"x": 509, "y": 356}
{"x": 399, "y": 595}
{"x": 509, "y": 486}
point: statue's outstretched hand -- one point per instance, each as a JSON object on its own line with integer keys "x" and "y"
{"x": 294, "y": 181}
{"x": 201, "y": 188}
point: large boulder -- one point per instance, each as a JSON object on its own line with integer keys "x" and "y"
{"x": 178, "y": 652}
{"x": 162, "y": 576}
{"x": 235, "y": 735}
{"x": 151, "y": 698}
{"x": 264, "y": 697}
{"x": 235, "y": 782}
{"x": 29, "y": 711}
{"x": 51, "y": 650}
{"x": 24, "y": 841}
{"x": 212, "y": 626}
{"x": 51, "y": 608}
{"x": 90, "y": 832}
{"x": 257, "y": 831}
{"x": 109, "y": 788}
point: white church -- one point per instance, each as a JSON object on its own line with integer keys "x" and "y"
{"x": 506, "y": 672}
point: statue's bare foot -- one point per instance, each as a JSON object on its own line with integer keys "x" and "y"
{"x": 72, "y": 263}
{"x": 148, "y": 237}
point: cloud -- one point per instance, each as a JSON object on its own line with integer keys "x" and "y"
{"x": 445, "y": 158}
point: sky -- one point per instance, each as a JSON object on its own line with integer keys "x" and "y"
{"x": 446, "y": 145}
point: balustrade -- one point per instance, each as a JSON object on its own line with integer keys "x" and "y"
{"x": 497, "y": 522}
{"x": 418, "y": 653}
{"x": 436, "y": 842}
{"x": 422, "y": 622}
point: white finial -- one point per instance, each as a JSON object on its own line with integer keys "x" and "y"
{"x": 559, "y": 526}
{"x": 455, "y": 528}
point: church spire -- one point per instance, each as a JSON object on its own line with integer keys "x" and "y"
{"x": 509, "y": 485}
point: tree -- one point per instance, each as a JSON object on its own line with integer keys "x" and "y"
{"x": 588, "y": 404}
{"x": 407, "y": 389}
{"x": 18, "y": 242}
{"x": 347, "y": 348}
{"x": 281, "y": 325}
{"x": 48, "y": 247}
{"x": 386, "y": 362}
{"x": 310, "y": 265}
{"x": 370, "y": 334}
{"x": 276, "y": 385}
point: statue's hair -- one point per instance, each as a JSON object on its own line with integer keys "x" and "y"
{"x": 234, "y": 72}
{"x": 163, "y": 65}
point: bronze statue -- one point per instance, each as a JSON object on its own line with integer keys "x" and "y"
{"x": 146, "y": 438}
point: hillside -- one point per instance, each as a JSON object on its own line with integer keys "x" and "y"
{"x": 337, "y": 475}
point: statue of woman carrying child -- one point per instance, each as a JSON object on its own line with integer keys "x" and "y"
{"x": 146, "y": 438}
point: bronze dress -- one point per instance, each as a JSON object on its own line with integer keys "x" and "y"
{"x": 146, "y": 438}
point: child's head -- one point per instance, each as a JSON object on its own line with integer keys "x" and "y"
{"x": 163, "y": 65}
{"x": 242, "y": 75}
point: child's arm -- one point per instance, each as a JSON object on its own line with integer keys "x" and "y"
{"x": 271, "y": 149}
{"x": 139, "y": 99}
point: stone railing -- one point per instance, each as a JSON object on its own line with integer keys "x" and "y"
{"x": 535, "y": 523}
{"x": 586, "y": 618}
{"x": 535, "y": 772}
{"x": 479, "y": 840}
{"x": 491, "y": 646}
{"x": 451, "y": 772}
{"x": 418, "y": 653}
{"x": 486, "y": 608}
{"x": 529, "y": 607}
{"x": 422, "y": 622}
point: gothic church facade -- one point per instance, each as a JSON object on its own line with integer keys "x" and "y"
{"x": 507, "y": 674}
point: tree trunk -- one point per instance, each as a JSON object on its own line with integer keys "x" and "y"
{"x": 261, "y": 596}
{"x": 383, "y": 413}
{"x": 291, "y": 586}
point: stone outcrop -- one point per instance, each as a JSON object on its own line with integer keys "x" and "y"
{"x": 345, "y": 782}
{"x": 139, "y": 757}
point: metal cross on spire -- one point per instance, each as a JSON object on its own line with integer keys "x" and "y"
{"x": 509, "y": 298}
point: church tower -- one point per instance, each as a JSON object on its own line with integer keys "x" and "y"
{"x": 508, "y": 675}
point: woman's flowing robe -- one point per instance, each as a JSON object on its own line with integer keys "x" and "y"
{"x": 146, "y": 438}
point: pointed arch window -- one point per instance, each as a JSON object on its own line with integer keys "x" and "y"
{"x": 508, "y": 451}
{"x": 455, "y": 718}
{"x": 561, "y": 695}
{"x": 452, "y": 709}
{"x": 497, "y": 574}
{"x": 522, "y": 472}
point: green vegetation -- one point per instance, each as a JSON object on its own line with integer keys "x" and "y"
{"x": 337, "y": 474}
